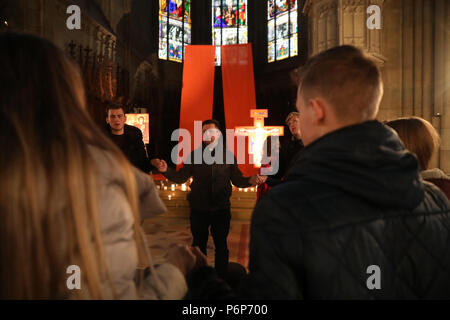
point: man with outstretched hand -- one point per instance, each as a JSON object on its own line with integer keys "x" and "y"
{"x": 210, "y": 192}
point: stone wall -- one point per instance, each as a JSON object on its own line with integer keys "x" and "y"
{"x": 412, "y": 49}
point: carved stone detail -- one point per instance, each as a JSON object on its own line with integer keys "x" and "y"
{"x": 338, "y": 22}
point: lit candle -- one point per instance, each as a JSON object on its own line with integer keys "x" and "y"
{"x": 252, "y": 189}
{"x": 173, "y": 187}
{"x": 165, "y": 188}
{"x": 246, "y": 190}
{"x": 170, "y": 197}
{"x": 183, "y": 187}
{"x": 240, "y": 189}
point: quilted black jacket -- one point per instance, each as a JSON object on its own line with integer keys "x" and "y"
{"x": 353, "y": 199}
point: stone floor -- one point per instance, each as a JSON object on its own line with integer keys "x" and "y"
{"x": 165, "y": 231}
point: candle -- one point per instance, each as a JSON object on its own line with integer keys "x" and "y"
{"x": 183, "y": 187}
{"x": 170, "y": 197}
{"x": 165, "y": 188}
{"x": 240, "y": 189}
{"x": 246, "y": 190}
{"x": 172, "y": 187}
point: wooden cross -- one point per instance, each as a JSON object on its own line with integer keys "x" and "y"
{"x": 258, "y": 134}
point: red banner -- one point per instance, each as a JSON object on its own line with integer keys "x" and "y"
{"x": 198, "y": 90}
{"x": 239, "y": 93}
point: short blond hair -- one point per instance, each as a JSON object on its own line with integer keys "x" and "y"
{"x": 347, "y": 78}
{"x": 292, "y": 115}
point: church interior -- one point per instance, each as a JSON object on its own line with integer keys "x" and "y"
{"x": 134, "y": 54}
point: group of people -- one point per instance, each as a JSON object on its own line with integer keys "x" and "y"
{"x": 353, "y": 193}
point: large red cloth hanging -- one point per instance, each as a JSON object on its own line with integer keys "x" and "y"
{"x": 239, "y": 93}
{"x": 198, "y": 90}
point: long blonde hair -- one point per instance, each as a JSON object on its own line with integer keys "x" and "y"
{"x": 48, "y": 217}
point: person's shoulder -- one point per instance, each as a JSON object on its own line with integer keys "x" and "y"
{"x": 132, "y": 129}
{"x": 133, "y": 132}
{"x": 435, "y": 199}
{"x": 104, "y": 162}
{"x": 284, "y": 203}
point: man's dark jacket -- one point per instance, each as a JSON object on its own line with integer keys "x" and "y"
{"x": 211, "y": 188}
{"x": 352, "y": 200}
{"x": 134, "y": 148}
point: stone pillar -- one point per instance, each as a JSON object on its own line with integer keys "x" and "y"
{"x": 374, "y": 43}
{"x": 408, "y": 58}
{"x": 442, "y": 80}
{"x": 428, "y": 59}
{"x": 33, "y": 16}
{"x": 323, "y": 24}
{"x": 418, "y": 56}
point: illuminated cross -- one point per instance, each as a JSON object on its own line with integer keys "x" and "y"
{"x": 258, "y": 134}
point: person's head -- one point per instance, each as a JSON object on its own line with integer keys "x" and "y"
{"x": 116, "y": 119}
{"x": 210, "y": 131}
{"x": 337, "y": 88}
{"x": 419, "y": 136}
{"x": 293, "y": 122}
{"x": 48, "y": 201}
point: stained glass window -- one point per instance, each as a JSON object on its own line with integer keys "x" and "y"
{"x": 174, "y": 28}
{"x": 229, "y": 23}
{"x": 282, "y": 29}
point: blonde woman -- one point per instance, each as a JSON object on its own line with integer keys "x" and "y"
{"x": 67, "y": 195}
{"x": 420, "y": 137}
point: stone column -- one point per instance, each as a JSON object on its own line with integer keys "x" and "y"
{"x": 442, "y": 80}
{"x": 418, "y": 57}
{"x": 408, "y": 58}
{"x": 428, "y": 59}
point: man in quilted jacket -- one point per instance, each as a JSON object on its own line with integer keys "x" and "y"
{"x": 353, "y": 220}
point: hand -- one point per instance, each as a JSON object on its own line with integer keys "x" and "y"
{"x": 160, "y": 165}
{"x": 182, "y": 258}
{"x": 253, "y": 180}
{"x": 261, "y": 179}
{"x": 155, "y": 162}
{"x": 257, "y": 180}
{"x": 202, "y": 261}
